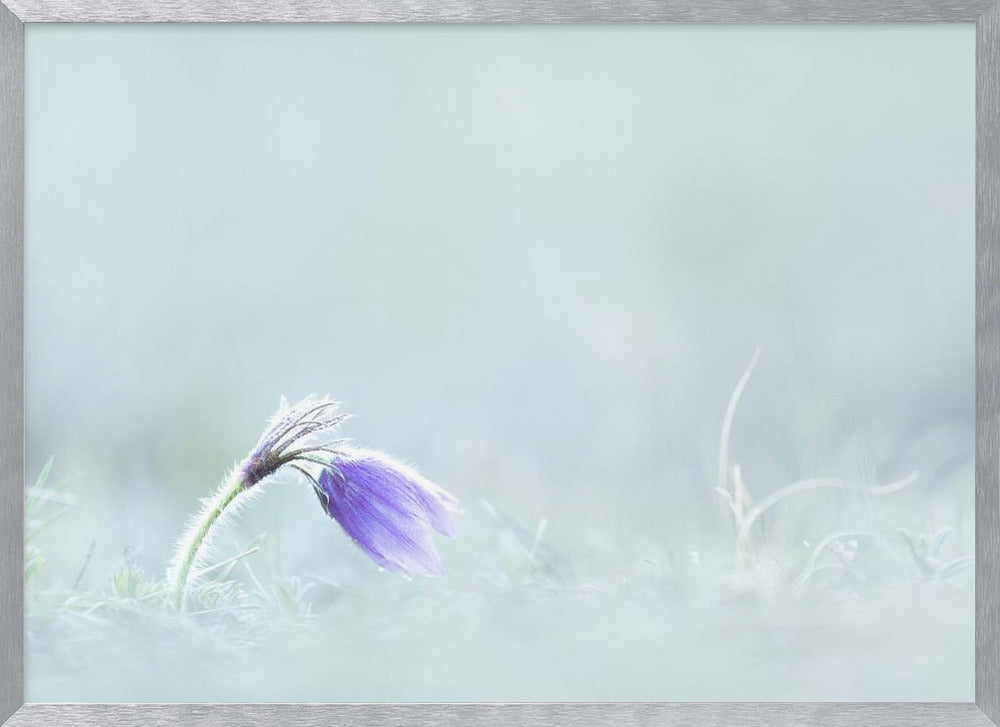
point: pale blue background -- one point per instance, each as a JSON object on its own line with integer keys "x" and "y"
{"x": 533, "y": 260}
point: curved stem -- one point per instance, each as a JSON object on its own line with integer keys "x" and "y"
{"x": 206, "y": 519}
{"x": 818, "y": 484}
{"x": 727, "y": 422}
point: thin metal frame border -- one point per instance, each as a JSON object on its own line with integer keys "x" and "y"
{"x": 14, "y": 712}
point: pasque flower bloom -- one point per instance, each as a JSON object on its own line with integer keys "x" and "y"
{"x": 386, "y": 508}
{"x": 383, "y": 505}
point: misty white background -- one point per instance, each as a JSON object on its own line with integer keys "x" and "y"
{"x": 531, "y": 260}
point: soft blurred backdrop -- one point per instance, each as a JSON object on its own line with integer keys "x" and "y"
{"x": 533, "y": 261}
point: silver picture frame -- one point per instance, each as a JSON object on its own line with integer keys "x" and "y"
{"x": 985, "y": 14}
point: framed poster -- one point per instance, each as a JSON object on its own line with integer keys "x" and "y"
{"x": 555, "y": 368}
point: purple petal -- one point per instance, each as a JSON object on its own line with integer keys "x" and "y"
{"x": 384, "y": 506}
{"x": 400, "y": 487}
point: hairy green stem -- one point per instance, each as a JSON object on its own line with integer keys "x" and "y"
{"x": 209, "y": 514}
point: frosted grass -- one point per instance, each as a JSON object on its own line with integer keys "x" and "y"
{"x": 746, "y": 610}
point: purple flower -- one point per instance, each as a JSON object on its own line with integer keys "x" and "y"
{"x": 387, "y": 509}
{"x": 382, "y": 504}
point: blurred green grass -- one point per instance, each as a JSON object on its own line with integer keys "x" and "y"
{"x": 857, "y": 615}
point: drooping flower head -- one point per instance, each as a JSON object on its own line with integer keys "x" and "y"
{"x": 383, "y": 505}
{"x": 387, "y": 509}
